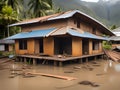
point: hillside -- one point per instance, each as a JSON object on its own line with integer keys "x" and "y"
{"x": 106, "y": 12}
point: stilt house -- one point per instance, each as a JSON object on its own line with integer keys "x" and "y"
{"x": 116, "y": 39}
{"x": 71, "y": 33}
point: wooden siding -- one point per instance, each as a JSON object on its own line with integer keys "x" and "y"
{"x": 48, "y": 45}
{"x": 76, "y": 46}
{"x": 29, "y": 50}
{"x": 37, "y": 48}
{"x": 90, "y": 47}
{"x": 100, "y": 50}
{"x": 85, "y": 27}
{"x": 30, "y": 46}
{"x": 46, "y": 25}
{"x": 98, "y": 32}
{"x": 11, "y": 47}
{"x": 115, "y": 45}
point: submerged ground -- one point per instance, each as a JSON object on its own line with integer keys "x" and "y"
{"x": 104, "y": 73}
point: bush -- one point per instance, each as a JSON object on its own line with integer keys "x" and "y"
{"x": 107, "y": 45}
{"x": 1, "y": 53}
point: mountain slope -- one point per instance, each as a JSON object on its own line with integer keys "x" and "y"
{"x": 106, "y": 12}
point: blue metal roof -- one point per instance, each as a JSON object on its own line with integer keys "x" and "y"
{"x": 84, "y": 35}
{"x": 4, "y": 41}
{"x": 32, "y": 34}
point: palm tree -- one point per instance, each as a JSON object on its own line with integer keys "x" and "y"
{"x": 39, "y": 7}
{"x": 7, "y": 16}
{"x": 15, "y": 4}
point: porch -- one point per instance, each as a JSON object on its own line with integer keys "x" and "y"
{"x": 56, "y": 60}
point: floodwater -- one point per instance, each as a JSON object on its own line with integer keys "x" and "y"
{"x": 104, "y": 73}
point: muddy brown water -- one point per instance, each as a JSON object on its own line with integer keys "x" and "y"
{"x": 106, "y": 74}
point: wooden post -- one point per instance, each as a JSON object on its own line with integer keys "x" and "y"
{"x": 95, "y": 58}
{"x": 55, "y": 63}
{"x": 87, "y": 60}
{"x": 60, "y": 64}
{"x": 47, "y": 62}
{"x": 17, "y": 59}
{"x": 20, "y": 59}
{"x": 34, "y": 62}
{"x": 102, "y": 57}
{"x": 25, "y": 60}
{"x": 80, "y": 60}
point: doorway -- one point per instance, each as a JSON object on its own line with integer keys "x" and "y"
{"x": 41, "y": 45}
{"x": 85, "y": 46}
{"x": 63, "y": 45}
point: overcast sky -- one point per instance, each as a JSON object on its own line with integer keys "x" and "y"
{"x": 93, "y": 0}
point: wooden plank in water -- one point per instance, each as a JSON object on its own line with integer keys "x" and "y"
{"x": 51, "y": 75}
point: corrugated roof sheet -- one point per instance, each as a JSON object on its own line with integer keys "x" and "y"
{"x": 32, "y": 34}
{"x": 55, "y": 32}
{"x": 60, "y": 16}
{"x": 84, "y": 35}
{"x": 75, "y": 32}
{"x": 115, "y": 38}
{"x": 4, "y": 41}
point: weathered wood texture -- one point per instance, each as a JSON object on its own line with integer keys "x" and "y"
{"x": 76, "y": 46}
{"x": 31, "y": 46}
{"x": 49, "y": 46}
{"x": 52, "y": 75}
{"x": 45, "y": 25}
{"x": 10, "y": 46}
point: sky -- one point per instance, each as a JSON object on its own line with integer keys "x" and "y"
{"x": 93, "y": 0}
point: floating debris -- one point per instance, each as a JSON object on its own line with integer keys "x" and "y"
{"x": 28, "y": 75}
{"x": 100, "y": 74}
{"x": 97, "y": 65}
{"x": 88, "y": 83}
{"x": 77, "y": 67}
{"x": 68, "y": 72}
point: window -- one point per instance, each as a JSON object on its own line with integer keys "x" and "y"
{"x": 78, "y": 24}
{"x": 22, "y": 44}
{"x": 95, "y": 45}
{"x": 94, "y": 31}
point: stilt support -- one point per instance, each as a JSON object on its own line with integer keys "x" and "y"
{"x": 25, "y": 60}
{"x": 34, "y": 62}
{"x": 86, "y": 59}
{"x": 95, "y": 58}
{"x": 55, "y": 63}
{"x": 60, "y": 64}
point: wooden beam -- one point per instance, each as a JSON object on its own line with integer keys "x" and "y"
{"x": 51, "y": 75}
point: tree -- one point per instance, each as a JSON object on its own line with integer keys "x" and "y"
{"x": 15, "y": 4}
{"x": 113, "y": 27}
{"x": 7, "y": 16}
{"x": 39, "y": 7}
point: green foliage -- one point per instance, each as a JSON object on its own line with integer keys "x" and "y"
{"x": 15, "y": 4}
{"x": 39, "y": 7}
{"x": 113, "y": 27}
{"x": 7, "y": 16}
{"x": 1, "y": 53}
{"x": 107, "y": 45}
